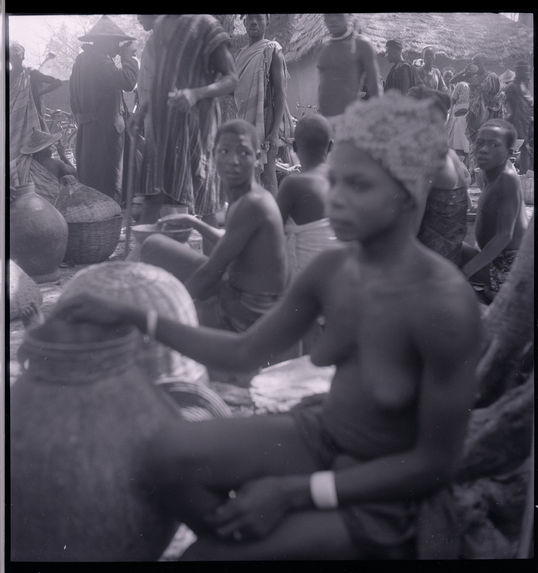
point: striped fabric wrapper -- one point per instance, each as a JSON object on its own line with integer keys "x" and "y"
{"x": 184, "y": 167}
{"x": 23, "y": 116}
{"x": 252, "y": 95}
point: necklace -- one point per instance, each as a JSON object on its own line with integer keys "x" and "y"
{"x": 345, "y": 35}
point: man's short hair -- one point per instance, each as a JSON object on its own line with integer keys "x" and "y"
{"x": 239, "y": 127}
{"x": 509, "y": 129}
{"x": 394, "y": 43}
{"x": 267, "y": 16}
{"x": 313, "y": 132}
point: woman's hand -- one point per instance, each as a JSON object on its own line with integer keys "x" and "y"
{"x": 256, "y": 508}
{"x": 87, "y": 307}
{"x": 182, "y": 99}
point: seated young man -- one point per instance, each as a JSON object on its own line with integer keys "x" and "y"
{"x": 246, "y": 271}
{"x": 37, "y": 164}
{"x": 340, "y": 479}
{"x": 501, "y": 218}
{"x": 303, "y": 197}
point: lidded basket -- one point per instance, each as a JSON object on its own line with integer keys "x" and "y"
{"x": 94, "y": 222}
{"x": 146, "y": 287}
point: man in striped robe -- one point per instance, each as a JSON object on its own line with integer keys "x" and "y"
{"x": 194, "y": 66}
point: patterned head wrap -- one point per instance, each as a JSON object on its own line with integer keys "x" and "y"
{"x": 406, "y": 136}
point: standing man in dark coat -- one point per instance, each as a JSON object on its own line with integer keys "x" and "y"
{"x": 96, "y": 87}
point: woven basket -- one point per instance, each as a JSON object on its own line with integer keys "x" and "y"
{"x": 23, "y": 291}
{"x": 146, "y": 287}
{"x": 92, "y": 242}
{"x": 94, "y": 222}
{"x": 195, "y": 401}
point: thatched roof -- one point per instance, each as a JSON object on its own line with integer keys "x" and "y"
{"x": 459, "y": 35}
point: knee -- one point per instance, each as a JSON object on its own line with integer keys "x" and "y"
{"x": 151, "y": 248}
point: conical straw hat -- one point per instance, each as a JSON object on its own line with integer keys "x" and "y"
{"x": 105, "y": 28}
{"x": 39, "y": 140}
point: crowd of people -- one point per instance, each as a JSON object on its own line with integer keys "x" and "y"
{"x": 365, "y": 245}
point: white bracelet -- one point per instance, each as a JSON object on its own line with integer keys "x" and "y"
{"x": 323, "y": 490}
{"x": 151, "y": 324}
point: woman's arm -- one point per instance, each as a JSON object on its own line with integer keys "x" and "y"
{"x": 290, "y": 318}
{"x": 449, "y": 352}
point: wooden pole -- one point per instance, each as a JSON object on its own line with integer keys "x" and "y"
{"x": 129, "y": 196}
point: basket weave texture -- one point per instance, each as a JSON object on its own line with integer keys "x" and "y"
{"x": 79, "y": 203}
{"x": 145, "y": 287}
{"x": 23, "y": 291}
{"x": 94, "y": 222}
{"x": 92, "y": 242}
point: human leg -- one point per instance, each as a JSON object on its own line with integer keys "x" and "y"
{"x": 191, "y": 466}
{"x": 176, "y": 258}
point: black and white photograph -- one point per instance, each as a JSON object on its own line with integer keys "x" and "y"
{"x": 269, "y": 286}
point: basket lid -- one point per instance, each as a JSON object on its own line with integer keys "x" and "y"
{"x": 79, "y": 203}
{"x": 146, "y": 287}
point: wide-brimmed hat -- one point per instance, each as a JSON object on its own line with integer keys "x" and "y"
{"x": 105, "y": 28}
{"x": 39, "y": 140}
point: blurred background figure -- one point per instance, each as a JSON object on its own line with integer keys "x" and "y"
{"x": 26, "y": 86}
{"x": 96, "y": 89}
{"x": 457, "y": 122}
{"x": 520, "y": 113}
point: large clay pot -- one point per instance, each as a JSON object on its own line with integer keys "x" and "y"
{"x": 37, "y": 234}
{"x": 81, "y": 414}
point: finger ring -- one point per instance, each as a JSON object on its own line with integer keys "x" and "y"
{"x": 237, "y": 535}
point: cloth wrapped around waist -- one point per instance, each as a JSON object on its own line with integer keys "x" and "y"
{"x": 239, "y": 308}
{"x": 304, "y": 242}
